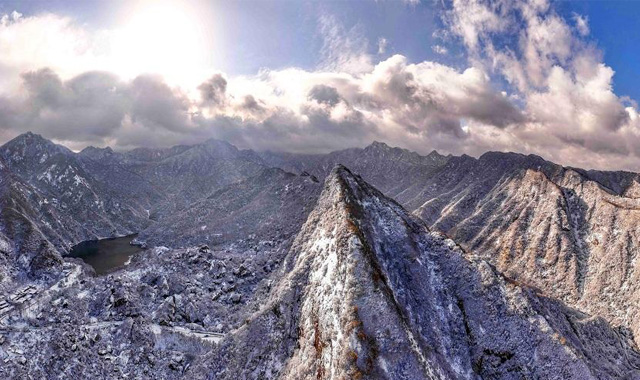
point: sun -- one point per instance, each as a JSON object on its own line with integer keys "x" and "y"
{"x": 161, "y": 37}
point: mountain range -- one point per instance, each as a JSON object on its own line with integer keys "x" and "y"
{"x": 372, "y": 262}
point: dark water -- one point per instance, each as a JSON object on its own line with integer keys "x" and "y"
{"x": 106, "y": 255}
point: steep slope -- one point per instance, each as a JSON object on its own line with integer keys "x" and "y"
{"x": 368, "y": 292}
{"x": 105, "y": 167}
{"x": 98, "y": 192}
{"x": 182, "y": 174}
{"x": 88, "y": 200}
{"x": 569, "y": 232}
{"x": 269, "y": 207}
{"x": 552, "y": 227}
{"x": 450, "y": 194}
{"x": 25, "y": 251}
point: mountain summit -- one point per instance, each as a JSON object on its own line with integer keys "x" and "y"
{"x": 367, "y": 291}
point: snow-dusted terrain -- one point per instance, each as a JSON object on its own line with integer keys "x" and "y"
{"x": 369, "y": 292}
{"x": 284, "y": 266}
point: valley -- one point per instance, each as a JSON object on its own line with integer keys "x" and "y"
{"x": 371, "y": 262}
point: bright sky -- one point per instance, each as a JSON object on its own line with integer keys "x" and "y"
{"x": 460, "y": 76}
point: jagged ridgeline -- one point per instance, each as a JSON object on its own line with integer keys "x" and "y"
{"x": 369, "y": 292}
{"x": 264, "y": 265}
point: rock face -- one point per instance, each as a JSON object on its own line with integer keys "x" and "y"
{"x": 25, "y": 249}
{"x": 368, "y": 292}
{"x": 568, "y": 232}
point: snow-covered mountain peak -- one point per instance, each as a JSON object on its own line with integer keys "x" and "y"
{"x": 31, "y": 149}
{"x": 367, "y": 291}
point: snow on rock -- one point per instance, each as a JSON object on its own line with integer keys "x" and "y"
{"x": 365, "y": 290}
{"x": 370, "y": 292}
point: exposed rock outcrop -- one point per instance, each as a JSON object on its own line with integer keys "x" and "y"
{"x": 369, "y": 292}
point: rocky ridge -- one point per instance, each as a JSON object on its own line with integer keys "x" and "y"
{"x": 369, "y": 292}
{"x": 531, "y": 232}
{"x": 569, "y": 232}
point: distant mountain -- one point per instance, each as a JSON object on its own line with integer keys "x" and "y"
{"x": 55, "y": 198}
{"x": 188, "y": 173}
{"x": 392, "y": 170}
{"x": 304, "y": 280}
{"x": 272, "y": 204}
{"x": 367, "y": 291}
{"x": 99, "y": 192}
{"x": 269, "y": 207}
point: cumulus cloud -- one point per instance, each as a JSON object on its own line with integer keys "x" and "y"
{"x": 419, "y": 105}
{"x": 94, "y": 107}
{"x": 48, "y": 40}
{"x": 213, "y": 91}
{"x": 439, "y": 49}
{"x": 347, "y": 102}
{"x": 582, "y": 24}
{"x": 324, "y": 94}
{"x": 572, "y": 113}
{"x": 87, "y": 106}
{"x": 558, "y": 101}
{"x": 157, "y": 106}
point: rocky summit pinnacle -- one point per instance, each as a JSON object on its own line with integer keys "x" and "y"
{"x": 367, "y": 291}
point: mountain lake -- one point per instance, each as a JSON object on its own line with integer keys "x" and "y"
{"x": 106, "y": 255}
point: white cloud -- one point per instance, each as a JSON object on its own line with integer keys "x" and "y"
{"x": 439, "y": 49}
{"x": 382, "y": 45}
{"x": 582, "y": 24}
{"x": 10, "y": 18}
{"x": 29, "y": 43}
{"x": 146, "y": 44}
{"x": 343, "y": 50}
{"x": 417, "y": 105}
{"x": 560, "y": 102}
{"x": 573, "y": 115}
{"x": 473, "y": 20}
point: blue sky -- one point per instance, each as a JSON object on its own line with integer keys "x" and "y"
{"x": 277, "y": 34}
{"x": 614, "y": 28}
{"x": 459, "y": 76}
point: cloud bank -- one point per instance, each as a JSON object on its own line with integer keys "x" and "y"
{"x": 558, "y": 100}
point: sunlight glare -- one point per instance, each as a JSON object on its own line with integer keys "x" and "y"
{"x": 161, "y": 37}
